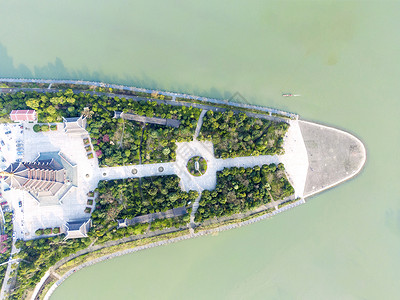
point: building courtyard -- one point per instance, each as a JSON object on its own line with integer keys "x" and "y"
{"x": 31, "y": 214}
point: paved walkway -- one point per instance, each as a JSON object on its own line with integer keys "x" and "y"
{"x": 6, "y": 286}
{"x": 110, "y": 173}
{"x": 195, "y": 207}
{"x": 171, "y": 213}
{"x": 295, "y": 158}
{"x": 295, "y": 161}
{"x": 199, "y": 124}
{"x": 247, "y": 161}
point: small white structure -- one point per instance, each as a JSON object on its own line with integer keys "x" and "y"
{"x": 122, "y": 223}
{"x": 75, "y": 126}
{"x": 77, "y": 229}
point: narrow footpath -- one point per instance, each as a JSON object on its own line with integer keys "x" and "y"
{"x": 6, "y": 286}
{"x": 199, "y": 124}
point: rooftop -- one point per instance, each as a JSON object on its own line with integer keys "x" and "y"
{"x": 144, "y": 119}
{"x": 23, "y": 115}
{"x": 46, "y": 179}
{"x": 75, "y": 125}
{"x": 78, "y": 229}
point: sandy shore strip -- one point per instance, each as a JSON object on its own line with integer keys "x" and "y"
{"x": 295, "y": 158}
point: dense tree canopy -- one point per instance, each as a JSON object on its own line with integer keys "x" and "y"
{"x": 236, "y": 135}
{"x": 120, "y": 199}
{"x": 116, "y": 142}
{"x": 6, "y": 244}
{"x": 240, "y": 189}
{"x": 37, "y": 256}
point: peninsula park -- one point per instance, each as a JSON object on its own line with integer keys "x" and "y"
{"x": 90, "y": 171}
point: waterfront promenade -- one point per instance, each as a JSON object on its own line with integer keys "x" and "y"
{"x": 174, "y": 95}
{"x": 268, "y": 114}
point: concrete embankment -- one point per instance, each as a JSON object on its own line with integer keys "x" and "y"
{"x": 334, "y": 156}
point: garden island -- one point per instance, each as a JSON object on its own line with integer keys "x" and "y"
{"x": 91, "y": 170}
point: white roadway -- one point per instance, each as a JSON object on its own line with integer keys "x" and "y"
{"x": 295, "y": 160}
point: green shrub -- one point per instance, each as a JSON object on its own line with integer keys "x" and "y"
{"x": 44, "y": 128}
{"x": 56, "y": 230}
{"x": 53, "y": 127}
{"x": 36, "y": 128}
{"x": 47, "y": 231}
{"x": 39, "y": 232}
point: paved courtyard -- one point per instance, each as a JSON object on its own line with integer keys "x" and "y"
{"x": 10, "y": 136}
{"x": 31, "y": 215}
{"x": 187, "y": 150}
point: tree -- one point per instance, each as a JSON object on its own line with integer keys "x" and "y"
{"x": 56, "y": 100}
{"x": 71, "y": 100}
{"x": 33, "y": 103}
{"x": 51, "y": 110}
{"x": 50, "y": 119}
{"x": 69, "y": 93}
{"x": 166, "y": 151}
{"x": 153, "y": 191}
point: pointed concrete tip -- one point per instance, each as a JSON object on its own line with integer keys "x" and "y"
{"x": 334, "y": 156}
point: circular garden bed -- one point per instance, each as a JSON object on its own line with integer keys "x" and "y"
{"x": 197, "y": 166}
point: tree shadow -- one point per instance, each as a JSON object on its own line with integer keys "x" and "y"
{"x": 7, "y": 68}
{"x": 57, "y": 70}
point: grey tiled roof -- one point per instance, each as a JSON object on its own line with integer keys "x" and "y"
{"x": 38, "y": 177}
{"x": 144, "y": 119}
{"x": 78, "y": 229}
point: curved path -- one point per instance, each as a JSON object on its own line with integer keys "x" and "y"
{"x": 168, "y": 241}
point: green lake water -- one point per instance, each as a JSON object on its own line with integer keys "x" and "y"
{"x": 341, "y": 56}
